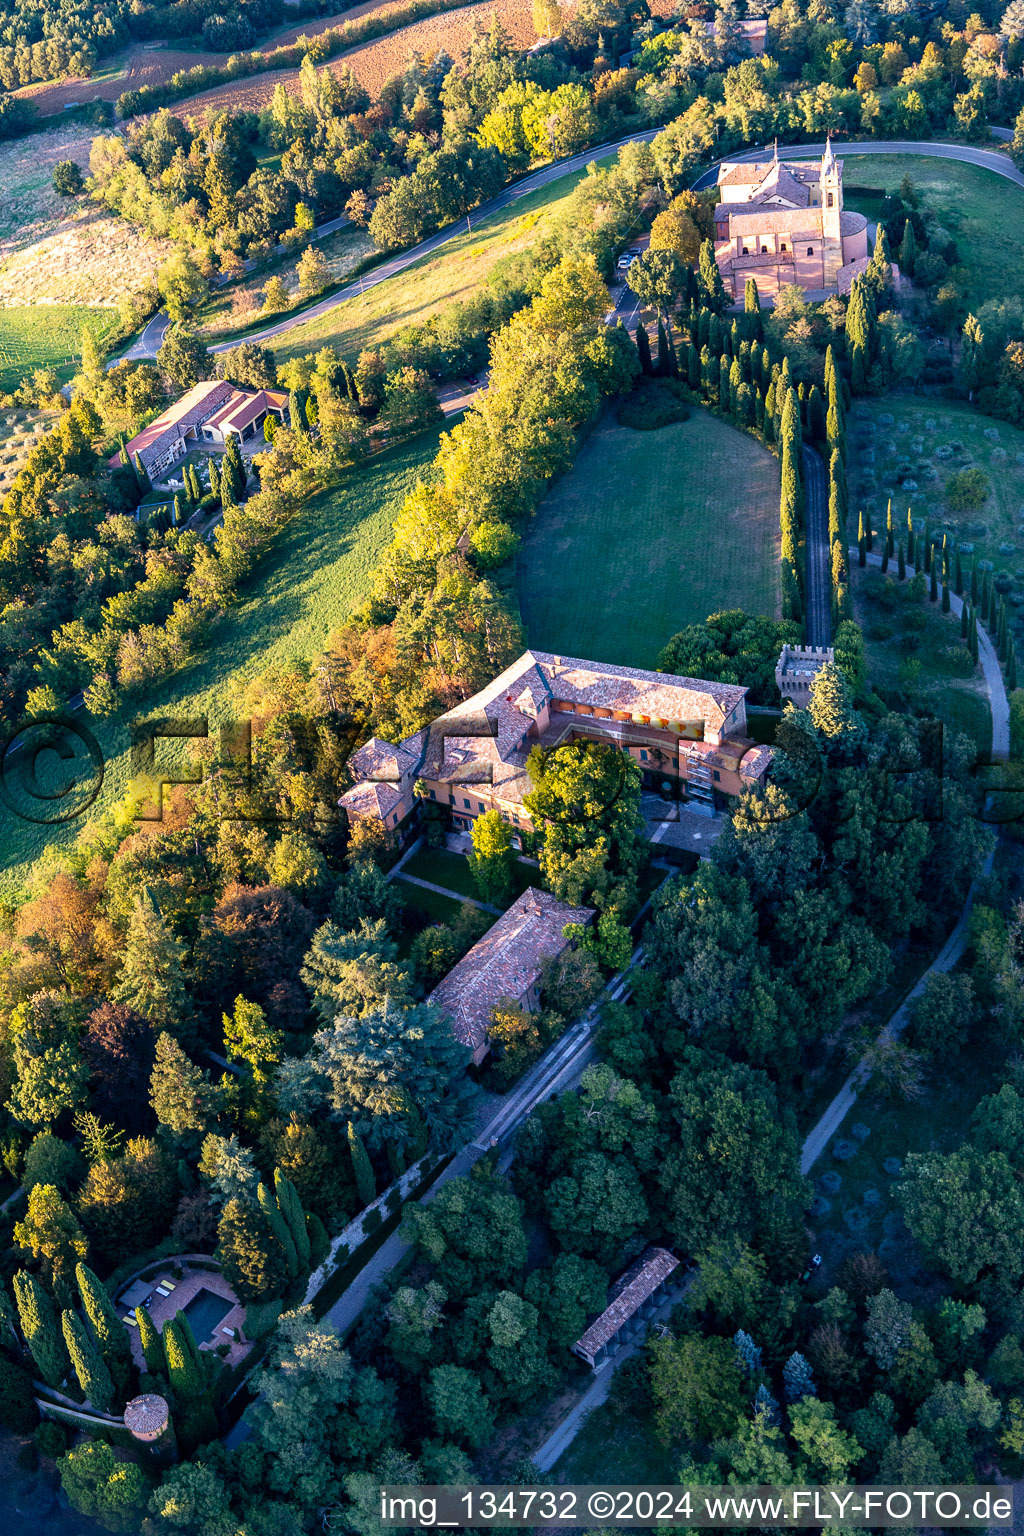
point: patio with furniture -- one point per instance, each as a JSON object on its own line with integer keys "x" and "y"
{"x": 214, "y": 1313}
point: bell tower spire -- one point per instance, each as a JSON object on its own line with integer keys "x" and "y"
{"x": 831, "y": 214}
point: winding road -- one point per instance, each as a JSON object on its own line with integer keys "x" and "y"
{"x": 990, "y": 160}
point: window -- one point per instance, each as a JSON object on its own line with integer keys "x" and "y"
{"x": 433, "y": 795}
{"x": 745, "y": 251}
{"x": 810, "y": 250}
{"x": 394, "y": 820}
{"x": 467, "y": 805}
{"x": 783, "y": 246}
{"x": 764, "y": 250}
{"x": 516, "y": 820}
{"x": 716, "y": 773}
{"x": 480, "y": 808}
{"x": 643, "y": 756}
{"x": 831, "y": 199}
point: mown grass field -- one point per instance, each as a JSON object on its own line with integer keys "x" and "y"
{"x": 454, "y": 272}
{"x": 648, "y": 532}
{"x": 982, "y": 211}
{"x": 45, "y": 335}
{"x": 317, "y": 574}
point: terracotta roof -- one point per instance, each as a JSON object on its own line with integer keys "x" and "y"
{"x": 780, "y": 182}
{"x": 628, "y": 1294}
{"x": 244, "y": 407}
{"x": 377, "y": 759}
{"x": 196, "y": 405}
{"x": 370, "y": 799}
{"x": 851, "y": 223}
{"x": 505, "y": 963}
{"x": 761, "y": 219}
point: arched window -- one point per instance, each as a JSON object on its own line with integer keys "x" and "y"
{"x": 810, "y": 250}
{"x": 783, "y": 246}
{"x": 831, "y": 199}
{"x": 764, "y": 250}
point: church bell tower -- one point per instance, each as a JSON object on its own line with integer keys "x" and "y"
{"x": 831, "y": 214}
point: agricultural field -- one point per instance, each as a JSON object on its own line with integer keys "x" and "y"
{"x": 96, "y": 260}
{"x": 433, "y": 282}
{"x": 45, "y": 335}
{"x": 648, "y": 532}
{"x": 908, "y": 448}
{"x": 19, "y": 431}
{"x": 240, "y": 305}
{"x": 31, "y": 209}
{"x": 317, "y": 574}
{"x": 980, "y": 209}
{"x": 373, "y": 63}
{"x": 142, "y": 64}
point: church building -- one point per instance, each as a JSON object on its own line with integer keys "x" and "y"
{"x": 785, "y": 223}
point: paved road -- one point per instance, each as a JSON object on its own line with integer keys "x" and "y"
{"x": 817, "y": 571}
{"x": 819, "y": 1138}
{"x": 149, "y": 341}
{"x": 987, "y": 159}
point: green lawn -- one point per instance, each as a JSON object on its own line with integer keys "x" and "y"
{"x": 317, "y": 574}
{"x": 435, "y": 281}
{"x": 45, "y": 335}
{"x": 648, "y": 532}
{"x": 441, "y": 867}
{"x": 981, "y": 210}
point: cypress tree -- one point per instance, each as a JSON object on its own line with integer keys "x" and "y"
{"x": 735, "y": 380}
{"x": 724, "y": 395}
{"x": 39, "y": 1326}
{"x": 107, "y": 1328}
{"x": 965, "y": 620}
{"x": 643, "y": 351}
{"x": 987, "y": 606}
{"x": 734, "y": 339}
{"x": 179, "y": 509}
{"x": 1011, "y": 670}
{"x": 185, "y": 1379}
{"x": 214, "y": 474}
{"x": 945, "y": 597}
{"x": 693, "y": 367}
{"x": 927, "y": 551}
{"x": 296, "y": 414}
{"x": 974, "y": 583}
{"x": 152, "y": 1345}
{"x": 958, "y": 579}
{"x": 278, "y": 1225}
{"x": 885, "y": 558}
{"x": 890, "y": 531}
{"x": 901, "y": 562}
{"x": 141, "y": 475}
{"x": 312, "y": 414}
{"x": 291, "y": 1209}
{"x": 362, "y": 1168}
{"x": 673, "y": 361}
{"x": 974, "y": 636}
{"x": 1002, "y": 631}
{"x": 869, "y": 532}
{"x": 862, "y": 543}
{"x": 759, "y": 417}
{"x": 188, "y": 1338}
{"x": 815, "y": 414}
{"x": 704, "y": 328}
{"x": 910, "y": 537}
{"x": 90, "y": 1367}
{"x": 662, "y": 366}
{"x": 933, "y": 585}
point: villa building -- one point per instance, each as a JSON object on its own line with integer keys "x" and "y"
{"x": 680, "y": 730}
{"x": 205, "y": 416}
{"x": 506, "y": 963}
{"x": 785, "y": 223}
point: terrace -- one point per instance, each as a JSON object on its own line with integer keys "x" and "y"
{"x": 215, "y": 1314}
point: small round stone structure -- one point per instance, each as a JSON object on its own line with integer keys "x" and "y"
{"x": 147, "y": 1417}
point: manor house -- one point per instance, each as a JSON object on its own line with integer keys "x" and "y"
{"x": 473, "y": 758}
{"x": 785, "y": 223}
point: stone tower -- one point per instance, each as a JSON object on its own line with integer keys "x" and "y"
{"x": 831, "y": 214}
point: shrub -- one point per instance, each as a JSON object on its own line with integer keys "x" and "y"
{"x": 831, "y": 1182}
{"x": 654, "y": 403}
{"x": 843, "y": 1150}
{"x": 967, "y": 490}
{"x": 893, "y": 1166}
{"x": 859, "y": 1131}
{"x": 51, "y": 1439}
